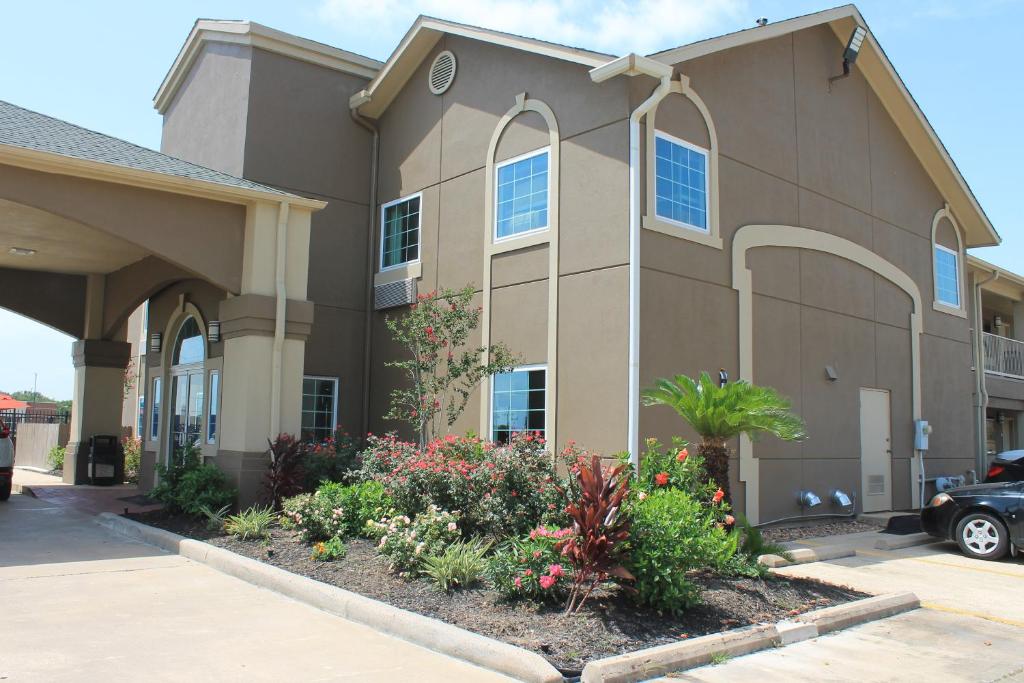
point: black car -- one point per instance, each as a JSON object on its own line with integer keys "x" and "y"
{"x": 1006, "y": 466}
{"x": 985, "y": 520}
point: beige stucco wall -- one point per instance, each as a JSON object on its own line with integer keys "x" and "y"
{"x": 438, "y": 145}
{"x": 794, "y": 154}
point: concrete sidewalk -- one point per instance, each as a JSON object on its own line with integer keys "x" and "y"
{"x": 83, "y": 498}
{"x": 81, "y": 604}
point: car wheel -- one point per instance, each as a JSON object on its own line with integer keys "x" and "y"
{"x": 983, "y": 536}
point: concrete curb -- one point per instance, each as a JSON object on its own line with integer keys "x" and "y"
{"x": 907, "y": 541}
{"x": 23, "y": 489}
{"x": 665, "y": 659}
{"x": 839, "y": 617}
{"x": 415, "y": 628}
{"x": 806, "y": 555}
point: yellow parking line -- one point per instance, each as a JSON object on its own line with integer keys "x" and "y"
{"x": 968, "y": 613}
{"x": 998, "y": 572}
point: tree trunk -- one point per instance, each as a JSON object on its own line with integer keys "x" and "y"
{"x": 716, "y": 461}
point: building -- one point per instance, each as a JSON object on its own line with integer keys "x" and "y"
{"x": 726, "y": 204}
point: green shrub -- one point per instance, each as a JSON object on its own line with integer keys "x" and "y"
{"x": 336, "y": 510}
{"x": 188, "y": 486}
{"x": 518, "y": 566}
{"x": 331, "y": 549}
{"x": 55, "y": 457}
{"x": 673, "y": 534}
{"x": 132, "y": 448}
{"x": 335, "y": 459}
{"x": 673, "y": 467}
{"x": 501, "y": 490}
{"x": 251, "y": 524}
{"x": 750, "y": 546}
{"x": 460, "y": 565}
{"x": 406, "y": 542}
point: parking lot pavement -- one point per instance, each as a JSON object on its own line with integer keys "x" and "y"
{"x": 82, "y": 604}
{"x": 971, "y": 627}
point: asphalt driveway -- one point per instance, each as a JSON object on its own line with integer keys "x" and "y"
{"x": 971, "y": 627}
{"x": 79, "y": 603}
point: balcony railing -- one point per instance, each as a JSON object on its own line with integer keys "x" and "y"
{"x": 1003, "y": 356}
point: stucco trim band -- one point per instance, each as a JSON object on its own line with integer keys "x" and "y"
{"x": 549, "y": 237}
{"x": 256, "y": 314}
{"x": 100, "y": 353}
{"x": 753, "y": 236}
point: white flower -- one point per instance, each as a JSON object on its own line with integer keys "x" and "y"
{"x": 412, "y": 535}
{"x": 452, "y": 526}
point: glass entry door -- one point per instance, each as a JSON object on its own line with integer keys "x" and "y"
{"x": 187, "y": 402}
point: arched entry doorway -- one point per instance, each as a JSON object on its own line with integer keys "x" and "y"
{"x": 187, "y": 392}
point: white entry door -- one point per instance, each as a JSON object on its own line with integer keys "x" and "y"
{"x": 875, "y": 450}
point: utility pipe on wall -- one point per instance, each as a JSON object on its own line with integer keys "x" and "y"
{"x": 634, "y": 65}
{"x": 370, "y": 265}
{"x": 281, "y": 291}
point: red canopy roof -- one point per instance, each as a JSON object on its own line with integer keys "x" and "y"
{"x": 8, "y": 402}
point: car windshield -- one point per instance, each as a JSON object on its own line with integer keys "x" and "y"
{"x": 1011, "y": 456}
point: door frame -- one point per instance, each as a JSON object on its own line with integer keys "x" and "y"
{"x": 888, "y": 429}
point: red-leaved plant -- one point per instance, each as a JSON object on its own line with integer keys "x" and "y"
{"x": 600, "y": 530}
{"x": 284, "y": 471}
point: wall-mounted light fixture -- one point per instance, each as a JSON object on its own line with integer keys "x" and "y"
{"x": 850, "y": 53}
{"x": 831, "y": 373}
{"x": 155, "y": 340}
{"x": 997, "y": 321}
{"x": 213, "y": 331}
{"x": 808, "y": 499}
{"x": 21, "y": 251}
{"x": 841, "y": 498}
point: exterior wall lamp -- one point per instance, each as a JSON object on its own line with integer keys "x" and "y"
{"x": 213, "y": 331}
{"x": 155, "y": 341}
{"x": 850, "y": 53}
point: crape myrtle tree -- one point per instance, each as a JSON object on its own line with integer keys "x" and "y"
{"x": 441, "y": 367}
{"x": 719, "y": 413}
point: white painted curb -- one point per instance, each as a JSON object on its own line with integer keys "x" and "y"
{"x": 414, "y": 628}
{"x": 806, "y": 555}
{"x": 839, "y": 617}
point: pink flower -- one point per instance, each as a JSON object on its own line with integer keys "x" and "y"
{"x": 556, "y": 570}
{"x": 547, "y": 582}
{"x": 528, "y": 572}
{"x": 730, "y": 520}
{"x": 518, "y": 582}
{"x": 536, "y": 554}
{"x": 642, "y": 495}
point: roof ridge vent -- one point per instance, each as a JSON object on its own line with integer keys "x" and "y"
{"x": 442, "y": 72}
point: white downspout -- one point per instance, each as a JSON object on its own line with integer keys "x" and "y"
{"x": 633, "y": 65}
{"x": 979, "y": 375}
{"x": 281, "y": 291}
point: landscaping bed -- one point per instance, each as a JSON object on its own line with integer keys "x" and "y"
{"x": 609, "y": 624}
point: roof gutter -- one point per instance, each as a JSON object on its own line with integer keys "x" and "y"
{"x": 635, "y": 65}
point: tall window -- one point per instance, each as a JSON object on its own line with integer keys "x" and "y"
{"x": 518, "y": 402}
{"x": 211, "y": 420}
{"x": 947, "y": 277}
{"x": 681, "y": 185}
{"x": 140, "y": 420}
{"x": 522, "y": 195}
{"x": 400, "y": 232}
{"x": 319, "y": 407}
{"x": 154, "y": 424}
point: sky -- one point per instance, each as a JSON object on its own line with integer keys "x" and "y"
{"x": 98, "y": 64}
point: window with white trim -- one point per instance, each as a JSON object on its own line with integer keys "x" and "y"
{"x": 154, "y": 424}
{"x": 947, "y": 276}
{"x": 518, "y": 402}
{"x": 400, "y": 232}
{"x": 681, "y": 182}
{"x": 319, "y": 407}
{"x": 521, "y": 196}
{"x": 214, "y": 406}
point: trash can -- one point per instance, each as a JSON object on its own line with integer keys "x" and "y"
{"x": 106, "y": 460}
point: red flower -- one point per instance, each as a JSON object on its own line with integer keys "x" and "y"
{"x": 683, "y": 455}
{"x": 547, "y": 582}
{"x": 719, "y": 495}
{"x": 556, "y": 570}
{"x": 661, "y": 478}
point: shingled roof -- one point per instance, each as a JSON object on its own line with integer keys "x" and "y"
{"x": 20, "y": 127}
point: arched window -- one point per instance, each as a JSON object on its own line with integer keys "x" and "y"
{"x": 189, "y": 347}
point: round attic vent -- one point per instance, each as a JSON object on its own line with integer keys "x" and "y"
{"x": 442, "y": 73}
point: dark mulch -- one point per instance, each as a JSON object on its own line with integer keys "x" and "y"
{"x": 815, "y": 528}
{"x": 610, "y": 624}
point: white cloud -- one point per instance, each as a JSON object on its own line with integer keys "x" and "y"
{"x": 616, "y": 26}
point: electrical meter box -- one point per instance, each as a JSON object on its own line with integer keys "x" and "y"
{"x": 921, "y": 431}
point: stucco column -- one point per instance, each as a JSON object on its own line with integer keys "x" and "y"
{"x": 249, "y": 323}
{"x": 1018, "y": 320}
{"x": 96, "y": 403}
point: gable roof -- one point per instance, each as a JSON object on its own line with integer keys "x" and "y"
{"x": 891, "y": 91}
{"x": 250, "y": 33}
{"x": 26, "y": 133}
{"x": 421, "y": 38}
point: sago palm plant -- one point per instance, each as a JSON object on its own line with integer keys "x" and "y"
{"x": 719, "y": 413}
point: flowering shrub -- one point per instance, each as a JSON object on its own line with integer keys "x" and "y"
{"x": 132, "y": 447}
{"x": 336, "y": 459}
{"x": 332, "y": 549}
{"x": 501, "y": 490}
{"x": 406, "y": 542}
{"x": 674, "y": 533}
{"x": 531, "y": 567}
{"x": 673, "y": 467}
{"x": 335, "y": 510}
